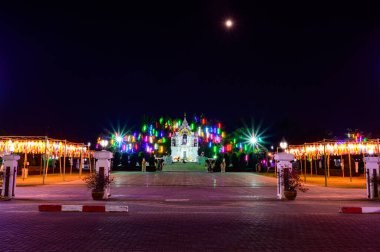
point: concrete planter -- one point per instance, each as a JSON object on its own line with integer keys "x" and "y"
{"x": 290, "y": 195}
{"x": 97, "y": 195}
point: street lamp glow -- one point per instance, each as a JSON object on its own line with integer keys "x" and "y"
{"x": 283, "y": 145}
{"x": 229, "y": 23}
{"x": 253, "y": 140}
{"x": 104, "y": 143}
{"x": 119, "y": 139}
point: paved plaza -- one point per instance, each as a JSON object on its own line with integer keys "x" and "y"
{"x": 189, "y": 211}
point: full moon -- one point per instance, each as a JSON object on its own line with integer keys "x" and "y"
{"x": 229, "y": 23}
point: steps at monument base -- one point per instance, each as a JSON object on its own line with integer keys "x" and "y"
{"x": 184, "y": 167}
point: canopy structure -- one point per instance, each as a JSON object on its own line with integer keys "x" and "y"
{"x": 333, "y": 147}
{"x": 322, "y": 150}
{"x": 48, "y": 147}
{"x": 41, "y": 145}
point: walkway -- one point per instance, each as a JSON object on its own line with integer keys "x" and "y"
{"x": 184, "y": 167}
{"x": 189, "y": 211}
{"x": 195, "y": 186}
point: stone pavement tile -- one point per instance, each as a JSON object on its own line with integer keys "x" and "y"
{"x": 228, "y": 212}
{"x": 240, "y": 231}
{"x": 185, "y": 185}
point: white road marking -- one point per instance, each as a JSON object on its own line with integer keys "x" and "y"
{"x": 111, "y": 208}
{"x": 370, "y": 209}
{"x": 72, "y": 208}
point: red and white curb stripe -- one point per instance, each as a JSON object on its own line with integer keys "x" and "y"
{"x": 360, "y": 210}
{"x": 82, "y": 208}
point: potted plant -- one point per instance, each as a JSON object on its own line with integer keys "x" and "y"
{"x": 292, "y": 184}
{"x": 98, "y": 183}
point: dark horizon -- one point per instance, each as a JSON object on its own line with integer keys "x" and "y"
{"x": 303, "y": 72}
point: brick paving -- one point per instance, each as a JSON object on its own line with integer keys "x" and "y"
{"x": 213, "y": 212}
{"x": 49, "y": 180}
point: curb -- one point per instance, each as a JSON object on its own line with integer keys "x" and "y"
{"x": 82, "y": 208}
{"x": 359, "y": 210}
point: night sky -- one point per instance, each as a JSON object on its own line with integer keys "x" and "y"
{"x": 300, "y": 71}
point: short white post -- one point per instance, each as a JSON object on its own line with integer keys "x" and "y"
{"x": 372, "y": 170}
{"x": 283, "y": 162}
{"x": 103, "y": 165}
{"x": 9, "y": 176}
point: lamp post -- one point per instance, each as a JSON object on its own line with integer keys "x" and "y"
{"x": 89, "y": 156}
{"x": 370, "y": 152}
{"x": 283, "y": 145}
{"x": 104, "y": 143}
{"x": 324, "y": 159}
{"x": 253, "y": 140}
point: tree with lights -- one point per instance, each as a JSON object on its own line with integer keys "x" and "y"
{"x": 154, "y": 138}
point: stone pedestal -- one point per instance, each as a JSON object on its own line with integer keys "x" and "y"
{"x": 223, "y": 166}
{"x": 9, "y": 176}
{"x": 372, "y": 171}
{"x": 283, "y": 162}
{"x": 103, "y": 166}
{"x": 143, "y": 165}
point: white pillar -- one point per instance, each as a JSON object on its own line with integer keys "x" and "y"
{"x": 283, "y": 162}
{"x": 103, "y": 164}
{"x": 371, "y": 167}
{"x": 9, "y": 176}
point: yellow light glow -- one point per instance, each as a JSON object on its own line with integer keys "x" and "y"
{"x": 40, "y": 146}
{"x": 335, "y": 148}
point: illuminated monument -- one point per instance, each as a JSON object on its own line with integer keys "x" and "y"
{"x": 184, "y": 144}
